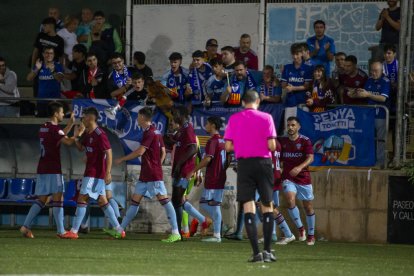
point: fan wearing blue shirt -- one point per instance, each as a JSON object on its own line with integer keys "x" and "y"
{"x": 296, "y": 78}
{"x": 377, "y": 91}
{"x": 321, "y": 47}
{"x": 215, "y": 85}
{"x": 50, "y": 74}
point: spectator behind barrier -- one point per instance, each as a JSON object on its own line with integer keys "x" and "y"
{"x": 296, "y": 78}
{"x": 176, "y": 79}
{"x": 84, "y": 29}
{"x": 199, "y": 72}
{"x": 270, "y": 89}
{"x": 76, "y": 67}
{"x": 216, "y": 84}
{"x": 228, "y": 58}
{"x": 8, "y": 89}
{"x": 68, "y": 35}
{"x": 339, "y": 68}
{"x": 239, "y": 83}
{"x": 50, "y": 75}
{"x": 306, "y": 55}
{"x": 245, "y": 53}
{"x": 119, "y": 80}
{"x": 389, "y": 23}
{"x": 92, "y": 82}
{"x": 54, "y": 13}
{"x": 48, "y": 38}
{"x": 377, "y": 92}
{"x": 140, "y": 67}
{"x": 104, "y": 39}
{"x": 390, "y": 68}
{"x": 353, "y": 79}
{"x": 211, "y": 50}
{"x": 322, "y": 93}
{"x": 321, "y": 46}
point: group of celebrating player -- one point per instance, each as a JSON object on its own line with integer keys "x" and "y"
{"x": 294, "y": 151}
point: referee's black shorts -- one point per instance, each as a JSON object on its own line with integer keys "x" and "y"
{"x": 254, "y": 174}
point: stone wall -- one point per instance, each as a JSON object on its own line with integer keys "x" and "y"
{"x": 350, "y": 205}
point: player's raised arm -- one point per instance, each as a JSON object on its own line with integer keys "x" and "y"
{"x": 68, "y": 141}
{"x": 70, "y": 124}
{"x": 78, "y": 141}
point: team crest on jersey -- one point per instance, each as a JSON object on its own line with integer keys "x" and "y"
{"x": 357, "y": 83}
{"x": 302, "y": 73}
{"x": 298, "y": 146}
{"x": 90, "y": 140}
{"x": 171, "y": 82}
{"x": 235, "y": 87}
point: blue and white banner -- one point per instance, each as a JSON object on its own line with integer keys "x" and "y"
{"x": 344, "y": 136}
{"x": 125, "y": 125}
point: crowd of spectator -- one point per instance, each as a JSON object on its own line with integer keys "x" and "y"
{"x": 82, "y": 58}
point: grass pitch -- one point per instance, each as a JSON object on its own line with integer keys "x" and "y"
{"x": 144, "y": 254}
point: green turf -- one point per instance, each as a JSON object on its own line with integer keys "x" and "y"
{"x": 144, "y": 254}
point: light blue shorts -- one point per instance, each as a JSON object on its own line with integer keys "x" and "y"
{"x": 303, "y": 192}
{"x": 108, "y": 187}
{"x": 150, "y": 189}
{"x": 47, "y": 184}
{"x": 94, "y": 187}
{"x": 182, "y": 182}
{"x": 276, "y": 198}
{"x": 212, "y": 195}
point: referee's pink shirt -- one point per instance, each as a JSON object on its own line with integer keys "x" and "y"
{"x": 249, "y": 130}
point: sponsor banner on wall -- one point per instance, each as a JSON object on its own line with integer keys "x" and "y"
{"x": 344, "y": 136}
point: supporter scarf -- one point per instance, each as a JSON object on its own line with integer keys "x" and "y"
{"x": 177, "y": 87}
{"x": 391, "y": 70}
{"x": 235, "y": 95}
{"x": 196, "y": 80}
{"x": 92, "y": 74}
{"x": 120, "y": 80}
{"x": 267, "y": 91}
{"x": 318, "y": 94}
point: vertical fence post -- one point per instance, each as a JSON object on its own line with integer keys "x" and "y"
{"x": 128, "y": 32}
{"x": 262, "y": 33}
{"x": 399, "y": 136}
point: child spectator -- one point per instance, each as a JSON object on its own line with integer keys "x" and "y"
{"x": 322, "y": 92}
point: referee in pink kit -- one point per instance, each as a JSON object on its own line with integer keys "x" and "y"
{"x": 251, "y": 134}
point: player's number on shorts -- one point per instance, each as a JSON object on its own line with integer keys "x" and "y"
{"x": 42, "y": 148}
